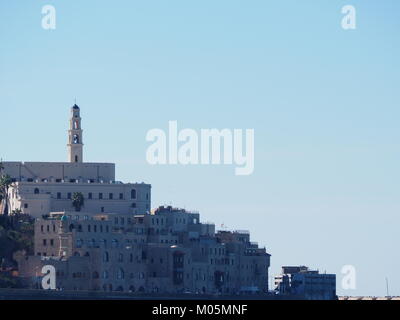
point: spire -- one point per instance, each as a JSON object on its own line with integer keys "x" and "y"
{"x": 75, "y": 142}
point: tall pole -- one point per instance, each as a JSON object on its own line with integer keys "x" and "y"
{"x": 387, "y": 287}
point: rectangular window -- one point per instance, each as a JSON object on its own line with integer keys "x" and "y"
{"x": 52, "y": 242}
{"x": 69, "y": 195}
{"x": 110, "y": 196}
{"x": 44, "y": 242}
{"x": 100, "y": 196}
{"x": 90, "y": 195}
{"x": 58, "y": 195}
{"x": 121, "y": 196}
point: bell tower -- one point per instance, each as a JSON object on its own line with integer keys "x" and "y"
{"x": 75, "y": 143}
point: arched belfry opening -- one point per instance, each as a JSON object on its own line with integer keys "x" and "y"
{"x": 75, "y": 141}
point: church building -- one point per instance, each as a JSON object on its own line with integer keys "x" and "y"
{"x": 42, "y": 187}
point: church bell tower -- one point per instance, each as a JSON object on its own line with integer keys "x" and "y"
{"x": 75, "y": 143}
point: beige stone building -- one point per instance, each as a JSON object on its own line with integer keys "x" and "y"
{"x": 114, "y": 243}
{"x": 168, "y": 251}
{"x": 42, "y": 187}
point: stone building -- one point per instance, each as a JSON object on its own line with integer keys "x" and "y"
{"x": 114, "y": 243}
{"x": 42, "y": 187}
{"x": 167, "y": 251}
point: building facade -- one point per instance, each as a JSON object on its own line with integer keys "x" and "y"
{"x": 113, "y": 242}
{"x": 42, "y": 187}
{"x": 309, "y": 284}
{"x": 167, "y": 251}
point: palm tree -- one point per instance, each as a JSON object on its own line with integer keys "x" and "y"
{"x": 5, "y": 182}
{"x": 78, "y": 201}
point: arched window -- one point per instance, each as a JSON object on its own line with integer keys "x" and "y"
{"x": 114, "y": 243}
{"x": 92, "y": 243}
{"x": 79, "y": 243}
{"x": 76, "y": 139}
{"x": 36, "y": 191}
{"x": 120, "y": 274}
{"x": 133, "y": 194}
{"x": 105, "y": 256}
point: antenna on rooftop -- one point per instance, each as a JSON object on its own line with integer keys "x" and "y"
{"x": 387, "y": 287}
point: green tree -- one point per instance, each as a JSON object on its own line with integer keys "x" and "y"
{"x": 78, "y": 201}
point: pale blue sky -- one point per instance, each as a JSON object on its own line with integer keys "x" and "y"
{"x": 324, "y": 104}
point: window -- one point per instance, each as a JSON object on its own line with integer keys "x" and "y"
{"x": 121, "y": 196}
{"x": 76, "y": 158}
{"x": 75, "y": 139}
{"x": 79, "y": 243}
{"x": 25, "y": 205}
{"x": 102, "y": 209}
{"x": 69, "y": 195}
{"x": 114, "y": 243}
{"x": 58, "y": 195}
{"x": 133, "y": 194}
{"x": 36, "y": 191}
{"x": 120, "y": 274}
{"x": 111, "y": 196}
{"x": 100, "y": 196}
{"x": 90, "y": 195}
{"x": 44, "y": 242}
{"x": 105, "y": 256}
